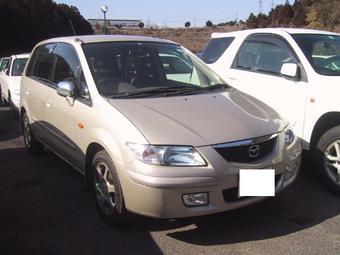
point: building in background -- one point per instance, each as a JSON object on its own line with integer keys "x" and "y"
{"x": 121, "y": 23}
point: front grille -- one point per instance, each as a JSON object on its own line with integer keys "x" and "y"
{"x": 231, "y": 195}
{"x": 247, "y": 151}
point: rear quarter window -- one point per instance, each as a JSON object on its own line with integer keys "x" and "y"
{"x": 215, "y": 48}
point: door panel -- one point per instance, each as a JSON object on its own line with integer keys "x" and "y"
{"x": 287, "y": 97}
{"x": 61, "y": 115}
{"x": 257, "y": 71}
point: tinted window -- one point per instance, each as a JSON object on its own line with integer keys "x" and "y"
{"x": 266, "y": 54}
{"x": 4, "y": 63}
{"x": 18, "y": 66}
{"x": 215, "y": 48}
{"x": 41, "y": 63}
{"x": 322, "y": 51}
{"x": 67, "y": 63}
{"x": 43, "y": 67}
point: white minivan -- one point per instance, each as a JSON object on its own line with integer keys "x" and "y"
{"x": 10, "y": 80}
{"x": 295, "y": 71}
{"x": 152, "y": 128}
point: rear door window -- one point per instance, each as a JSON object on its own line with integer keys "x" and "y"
{"x": 41, "y": 63}
{"x": 4, "y": 63}
{"x": 215, "y": 48}
{"x": 18, "y": 66}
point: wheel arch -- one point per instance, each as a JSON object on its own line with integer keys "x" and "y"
{"x": 324, "y": 123}
{"x": 91, "y": 150}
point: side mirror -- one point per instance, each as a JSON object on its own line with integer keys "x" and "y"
{"x": 7, "y": 71}
{"x": 84, "y": 91}
{"x": 66, "y": 89}
{"x": 290, "y": 70}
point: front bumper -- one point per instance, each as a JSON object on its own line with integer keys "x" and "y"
{"x": 157, "y": 191}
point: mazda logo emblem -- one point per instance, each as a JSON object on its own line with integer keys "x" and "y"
{"x": 254, "y": 151}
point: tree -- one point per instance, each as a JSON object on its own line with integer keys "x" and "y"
{"x": 252, "y": 22}
{"x": 262, "y": 20}
{"x": 141, "y": 25}
{"x": 324, "y": 14}
{"x": 299, "y": 18}
{"x": 31, "y": 21}
{"x": 187, "y": 24}
{"x": 209, "y": 23}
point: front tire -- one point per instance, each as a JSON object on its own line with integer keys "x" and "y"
{"x": 107, "y": 191}
{"x": 327, "y": 154}
{"x": 32, "y": 145}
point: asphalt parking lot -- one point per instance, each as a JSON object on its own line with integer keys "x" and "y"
{"x": 45, "y": 210}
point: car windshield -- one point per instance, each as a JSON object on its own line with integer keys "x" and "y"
{"x": 146, "y": 68}
{"x": 322, "y": 51}
{"x": 18, "y": 66}
{"x": 4, "y": 63}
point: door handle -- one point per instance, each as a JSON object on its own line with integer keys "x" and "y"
{"x": 232, "y": 78}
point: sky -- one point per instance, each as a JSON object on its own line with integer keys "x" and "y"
{"x": 173, "y": 13}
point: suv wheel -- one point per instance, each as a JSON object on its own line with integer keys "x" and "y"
{"x": 31, "y": 144}
{"x": 327, "y": 154}
{"x": 107, "y": 190}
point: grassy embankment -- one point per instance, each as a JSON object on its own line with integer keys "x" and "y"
{"x": 192, "y": 38}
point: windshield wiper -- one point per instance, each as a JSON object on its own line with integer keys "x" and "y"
{"x": 170, "y": 91}
{"x": 149, "y": 92}
{"x": 199, "y": 90}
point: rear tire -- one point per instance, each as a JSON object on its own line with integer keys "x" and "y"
{"x": 107, "y": 191}
{"x": 327, "y": 155}
{"x": 32, "y": 145}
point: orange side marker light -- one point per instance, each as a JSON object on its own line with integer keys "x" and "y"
{"x": 81, "y": 125}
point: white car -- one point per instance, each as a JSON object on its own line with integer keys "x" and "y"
{"x": 295, "y": 71}
{"x": 10, "y": 80}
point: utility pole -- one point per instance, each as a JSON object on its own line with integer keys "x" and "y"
{"x": 260, "y": 6}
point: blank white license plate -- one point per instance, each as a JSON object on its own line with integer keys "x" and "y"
{"x": 257, "y": 183}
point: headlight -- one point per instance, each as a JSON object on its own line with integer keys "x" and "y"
{"x": 166, "y": 155}
{"x": 289, "y": 136}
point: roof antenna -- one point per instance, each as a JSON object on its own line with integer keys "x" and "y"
{"x": 72, "y": 27}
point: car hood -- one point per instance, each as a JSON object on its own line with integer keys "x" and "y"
{"x": 202, "y": 119}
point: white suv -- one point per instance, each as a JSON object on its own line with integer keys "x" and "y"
{"x": 10, "y": 80}
{"x": 297, "y": 72}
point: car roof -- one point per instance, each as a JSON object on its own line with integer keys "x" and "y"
{"x": 24, "y": 55}
{"x": 271, "y": 30}
{"x": 105, "y": 38}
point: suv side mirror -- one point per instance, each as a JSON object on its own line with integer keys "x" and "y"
{"x": 7, "y": 71}
{"x": 68, "y": 90}
{"x": 290, "y": 70}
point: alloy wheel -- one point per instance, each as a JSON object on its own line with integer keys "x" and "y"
{"x": 104, "y": 188}
{"x": 332, "y": 161}
{"x": 27, "y": 132}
